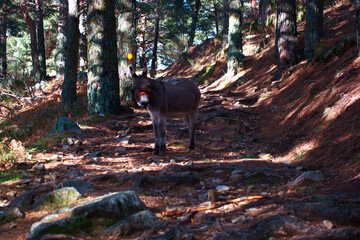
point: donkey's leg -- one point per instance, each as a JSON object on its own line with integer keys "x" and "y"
{"x": 162, "y": 135}
{"x": 155, "y": 122}
{"x": 192, "y": 129}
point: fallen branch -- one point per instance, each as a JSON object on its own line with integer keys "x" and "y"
{"x": 239, "y": 201}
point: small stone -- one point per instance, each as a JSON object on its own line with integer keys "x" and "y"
{"x": 39, "y": 167}
{"x": 222, "y": 188}
{"x": 265, "y": 156}
{"x": 172, "y": 161}
{"x": 77, "y": 142}
{"x": 329, "y": 225}
{"x": 189, "y": 163}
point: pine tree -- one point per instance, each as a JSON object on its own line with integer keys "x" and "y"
{"x": 83, "y": 40}
{"x": 357, "y": 24}
{"x": 33, "y": 45}
{"x": 71, "y": 55}
{"x": 263, "y": 10}
{"x": 103, "y": 78}
{"x": 235, "y": 51}
{"x": 127, "y": 45}
{"x": 193, "y": 23}
{"x": 40, "y": 38}
{"x": 313, "y": 27}
{"x": 156, "y": 39}
{"x": 225, "y": 22}
{"x": 285, "y": 35}
{"x": 61, "y": 38}
{"x": 3, "y": 28}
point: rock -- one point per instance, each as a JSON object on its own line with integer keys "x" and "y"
{"x": 222, "y": 188}
{"x": 39, "y": 167}
{"x": 113, "y": 124}
{"x": 329, "y": 225}
{"x": 175, "y": 233}
{"x": 126, "y": 140}
{"x": 106, "y": 178}
{"x": 306, "y": 177}
{"x": 17, "y": 147}
{"x": 73, "y": 174}
{"x": 11, "y": 214}
{"x": 93, "y": 155}
{"x": 238, "y": 174}
{"x": 65, "y": 124}
{"x": 57, "y": 198}
{"x": 78, "y": 184}
{"x": 202, "y": 218}
{"x": 116, "y": 213}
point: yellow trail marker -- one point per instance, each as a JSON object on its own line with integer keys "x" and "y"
{"x": 129, "y": 56}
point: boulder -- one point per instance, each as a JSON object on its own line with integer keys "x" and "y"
{"x": 116, "y": 214}
{"x": 65, "y": 124}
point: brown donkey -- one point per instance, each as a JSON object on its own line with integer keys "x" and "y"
{"x": 165, "y": 100}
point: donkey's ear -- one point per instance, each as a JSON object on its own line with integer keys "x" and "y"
{"x": 132, "y": 71}
{"x": 144, "y": 71}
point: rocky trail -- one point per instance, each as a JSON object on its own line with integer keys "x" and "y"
{"x": 228, "y": 188}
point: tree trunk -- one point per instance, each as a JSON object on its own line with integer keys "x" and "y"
{"x": 103, "y": 78}
{"x": 3, "y": 28}
{"x": 33, "y": 44}
{"x": 263, "y": 10}
{"x": 83, "y": 62}
{"x": 285, "y": 35}
{"x": 126, "y": 40}
{"x": 357, "y": 24}
{"x": 71, "y": 56}
{"x": 193, "y": 23}
{"x": 40, "y": 37}
{"x": 156, "y": 37}
{"x": 61, "y": 39}
{"x": 225, "y": 23}
{"x": 254, "y": 10}
{"x": 142, "y": 60}
{"x": 313, "y": 27}
{"x": 216, "y": 18}
{"x": 235, "y": 56}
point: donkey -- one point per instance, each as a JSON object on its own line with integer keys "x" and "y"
{"x": 164, "y": 100}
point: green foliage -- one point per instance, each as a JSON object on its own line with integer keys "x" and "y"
{"x": 10, "y": 175}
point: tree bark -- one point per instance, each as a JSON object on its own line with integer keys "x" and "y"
{"x": 285, "y": 35}
{"x": 156, "y": 37}
{"x": 193, "y": 23}
{"x": 33, "y": 45}
{"x": 225, "y": 23}
{"x": 3, "y": 28}
{"x": 216, "y": 18}
{"x": 83, "y": 62}
{"x": 357, "y": 24}
{"x": 71, "y": 56}
{"x": 61, "y": 39}
{"x": 126, "y": 40}
{"x": 103, "y": 78}
{"x": 313, "y": 27}
{"x": 235, "y": 56}
{"x": 40, "y": 37}
{"x": 142, "y": 60}
{"x": 263, "y": 10}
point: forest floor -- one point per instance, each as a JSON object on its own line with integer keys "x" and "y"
{"x": 255, "y": 137}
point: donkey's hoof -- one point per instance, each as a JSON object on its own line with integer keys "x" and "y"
{"x": 161, "y": 153}
{"x": 155, "y": 152}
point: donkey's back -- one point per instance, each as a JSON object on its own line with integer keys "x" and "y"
{"x": 182, "y": 99}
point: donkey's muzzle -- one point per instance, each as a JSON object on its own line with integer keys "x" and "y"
{"x": 144, "y": 100}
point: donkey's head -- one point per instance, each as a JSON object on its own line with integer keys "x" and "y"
{"x": 143, "y": 88}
